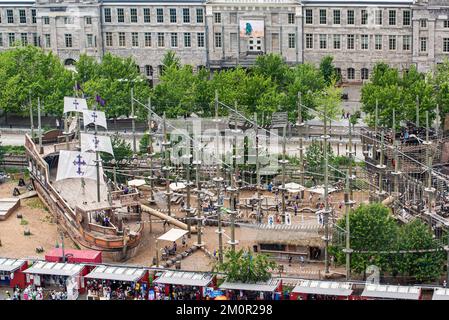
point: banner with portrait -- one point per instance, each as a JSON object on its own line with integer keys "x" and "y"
{"x": 252, "y": 29}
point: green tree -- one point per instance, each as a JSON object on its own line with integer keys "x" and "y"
{"x": 274, "y": 67}
{"x": 329, "y": 101}
{"x": 30, "y": 72}
{"x": 328, "y": 70}
{"x": 170, "y": 60}
{"x": 112, "y": 79}
{"x": 441, "y": 85}
{"x": 397, "y": 91}
{"x": 244, "y": 266}
{"x": 373, "y": 229}
{"x": 144, "y": 142}
{"x": 424, "y": 266}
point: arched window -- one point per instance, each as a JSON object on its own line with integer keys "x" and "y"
{"x": 69, "y": 62}
{"x": 365, "y": 74}
{"x": 351, "y": 74}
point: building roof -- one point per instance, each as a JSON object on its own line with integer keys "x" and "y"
{"x": 10, "y": 265}
{"x": 391, "y": 292}
{"x": 331, "y": 288}
{"x": 440, "y": 294}
{"x": 116, "y": 273}
{"x": 55, "y": 269}
{"x": 269, "y": 286}
{"x": 185, "y": 278}
{"x": 75, "y": 253}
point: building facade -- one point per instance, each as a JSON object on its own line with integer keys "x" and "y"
{"x": 224, "y": 33}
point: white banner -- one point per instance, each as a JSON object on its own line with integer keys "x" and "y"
{"x": 74, "y": 104}
{"x": 95, "y": 117}
{"x": 91, "y": 142}
{"x": 75, "y": 164}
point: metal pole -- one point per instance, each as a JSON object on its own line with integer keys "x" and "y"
{"x": 31, "y": 118}
{"x": 348, "y": 204}
{"x": 97, "y": 162}
{"x": 150, "y": 148}
{"x": 133, "y": 122}
{"x": 417, "y": 111}
{"x": 218, "y": 181}
{"x": 326, "y": 196}
{"x": 166, "y": 167}
{"x": 62, "y": 246}
{"x": 41, "y": 149}
{"x": 199, "y": 243}
{"x": 283, "y": 163}
{"x": 259, "y": 204}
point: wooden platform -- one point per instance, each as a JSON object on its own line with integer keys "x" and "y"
{"x": 7, "y": 206}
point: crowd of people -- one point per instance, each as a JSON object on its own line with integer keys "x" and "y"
{"x": 116, "y": 290}
{"x": 33, "y": 292}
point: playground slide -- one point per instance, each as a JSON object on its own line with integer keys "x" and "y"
{"x": 167, "y": 218}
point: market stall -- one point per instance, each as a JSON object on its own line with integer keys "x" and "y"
{"x": 111, "y": 282}
{"x": 385, "y": 292}
{"x": 189, "y": 285}
{"x": 440, "y": 294}
{"x": 74, "y": 256}
{"x": 321, "y": 290}
{"x": 11, "y": 272}
{"x": 66, "y": 276}
{"x": 269, "y": 290}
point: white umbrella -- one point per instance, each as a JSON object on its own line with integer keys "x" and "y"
{"x": 320, "y": 190}
{"x": 136, "y": 183}
{"x": 293, "y": 187}
{"x": 175, "y": 186}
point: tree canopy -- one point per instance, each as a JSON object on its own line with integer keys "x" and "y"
{"x": 245, "y": 266}
{"x": 400, "y": 91}
{"x": 378, "y": 240}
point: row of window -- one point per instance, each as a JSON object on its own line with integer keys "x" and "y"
{"x": 146, "y": 14}
{"x": 335, "y": 41}
{"x": 10, "y": 17}
{"x": 160, "y": 39}
{"x": 366, "y": 16}
{"x": 91, "y": 41}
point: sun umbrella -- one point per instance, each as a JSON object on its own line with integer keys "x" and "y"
{"x": 136, "y": 183}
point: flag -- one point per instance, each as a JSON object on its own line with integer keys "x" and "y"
{"x": 75, "y": 164}
{"x": 95, "y": 117}
{"x": 100, "y": 100}
{"x": 74, "y": 104}
{"x": 92, "y": 142}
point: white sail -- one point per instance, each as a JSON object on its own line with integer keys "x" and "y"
{"x": 95, "y": 117}
{"x": 91, "y": 142}
{"x": 75, "y": 164}
{"x": 74, "y": 104}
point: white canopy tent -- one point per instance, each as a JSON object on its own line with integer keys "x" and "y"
{"x": 391, "y": 292}
{"x": 10, "y": 265}
{"x": 331, "y": 288}
{"x": 293, "y": 187}
{"x": 268, "y": 286}
{"x": 440, "y": 294}
{"x": 136, "y": 183}
{"x": 55, "y": 269}
{"x": 176, "y": 186}
{"x": 183, "y": 278}
{"x": 320, "y": 190}
{"x": 116, "y": 273}
{"x": 173, "y": 235}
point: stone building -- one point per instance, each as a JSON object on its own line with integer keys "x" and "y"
{"x": 224, "y": 33}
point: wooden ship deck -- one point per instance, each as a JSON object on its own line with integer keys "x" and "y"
{"x": 77, "y": 211}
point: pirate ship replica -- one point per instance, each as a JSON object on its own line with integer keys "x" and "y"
{"x": 68, "y": 177}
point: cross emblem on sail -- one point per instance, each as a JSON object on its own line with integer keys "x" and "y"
{"x": 95, "y": 117}
{"x": 75, "y": 164}
{"x": 92, "y": 142}
{"x": 74, "y": 104}
{"x": 78, "y": 162}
